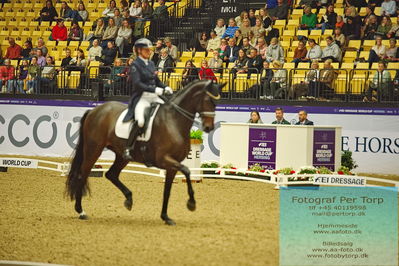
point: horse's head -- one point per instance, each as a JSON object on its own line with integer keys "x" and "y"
{"x": 207, "y": 105}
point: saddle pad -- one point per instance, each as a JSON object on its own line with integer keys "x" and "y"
{"x": 122, "y": 129}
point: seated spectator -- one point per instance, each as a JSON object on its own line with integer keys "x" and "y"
{"x": 331, "y": 51}
{"x": 339, "y": 38}
{"x": 147, "y": 10}
{"x": 161, "y": 12}
{"x": 99, "y": 30}
{"x": 370, "y": 28}
{"x": 126, "y": 15}
{"x": 308, "y": 20}
{"x": 245, "y": 27}
{"x": 159, "y": 45}
{"x": 59, "y": 32}
{"x": 312, "y": 79}
{"x": 14, "y": 50}
{"x": 165, "y": 62}
{"x": 65, "y": 61}
{"x": 307, "y": 3}
{"x": 206, "y": 72}
{"x": 340, "y": 22}
{"x": 33, "y": 71}
{"x": 375, "y": 3}
{"x": 213, "y": 42}
{"x": 76, "y": 32}
{"x": 110, "y": 33}
{"x": 356, "y": 3}
{"x": 95, "y": 51}
{"x": 378, "y": 52}
{"x": 254, "y": 63}
{"x": 118, "y": 18}
{"x": 41, "y": 60}
{"x": 381, "y": 84}
{"x": 392, "y": 53}
{"x": 351, "y": 11}
{"x": 274, "y": 51}
{"x": 252, "y": 17}
{"x": 280, "y": 11}
{"x": 66, "y": 13}
{"x": 307, "y": 86}
{"x": 114, "y": 85}
{"x": 261, "y": 47}
{"x": 136, "y": 10}
{"x": 109, "y": 11}
{"x": 252, "y": 39}
{"x": 26, "y": 50}
{"x": 240, "y": 19}
{"x": 240, "y": 63}
{"x": 384, "y": 27}
{"x": 258, "y": 28}
{"x": 300, "y": 52}
{"x": 220, "y": 28}
{"x": 41, "y": 46}
{"x": 216, "y": 62}
{"x": 266, "y": 76}
{"x": 388, "y": 8}
{"x": 255, "y": 118}
{"x": 314, "y": 53}
{"x": 48, "y": 13}
{"x": 320, "y": 85}
{"x": 172, "y": 49}
{"x": 231, "y": 53}
{"x": 79, "y": 61}
{"x": 394, "y": 31}
{"x": 190, "y": 73}
{"x": 238, "y": 38}
{"x": 108, "y": 54}
{"x": 246, "y": 46}
{"x": 328, "y": 20}
{"x": 124, "y": 5}
{"x": 203, "y": 42}
{"x": 279, "y": 112}
{"x": 81, "y": 13}
{"x": 223, "y": 47}
{"x": 48, "y": 76}
{"x": 231, "y": 29}
{"x": 265, "y": 18}
{"x": 303, "y": 119}
{"x": 369, "y": 13}
{"x": 22, "y": 75}
{"x": 7, "y": 76}
{"x": 123, "y": 38}
{"x": 278, "y": 83}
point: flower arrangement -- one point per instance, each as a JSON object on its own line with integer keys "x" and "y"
{"x": 343, "y": 170}
{"x": 284, "y": 171}
{"x": 257, "y": 168}
{"x": 210, "y": 164}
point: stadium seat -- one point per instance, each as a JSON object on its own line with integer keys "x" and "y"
{"x": 364, "y": 54}
{"x": 74, "y": 80}
{"x": 288, "y": 35}
{"x": 354, "y": 44}
{"x": 368, "y": 44}
{"x": 292, "y": 25}
{"x": 374, "y": 65}
{"x": 180, "y": 67}
{"x": 200, "y": 54}
{"x": 350, "y": 56}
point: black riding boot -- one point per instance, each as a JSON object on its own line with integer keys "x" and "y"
{"x": 136, "y": 131}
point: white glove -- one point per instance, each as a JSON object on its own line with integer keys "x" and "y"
{"x": 158, "y": 91}
{"x": 168, "y": 90}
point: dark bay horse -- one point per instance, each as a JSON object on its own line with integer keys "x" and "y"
{"x": 167, "y": 147}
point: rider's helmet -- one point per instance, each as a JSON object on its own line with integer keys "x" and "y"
{"x": 143, "y": 43}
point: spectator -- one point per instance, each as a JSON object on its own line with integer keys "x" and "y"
{"x": 351, "y": 11}
{"x": 110, "y": 33}
{"x": 278, "y": 83}
{"x": 356, "y": 3}
{"x": 213, "y": 42}
{"x": 351, "y": 30}
{"x": 305, "y": 87}
{"x": 314, "y": 52}
{"x": 308, "y": 20}
{"x": 95, "y": 51}
{"x": 76, "y": 32}
{"x": 238, "y": 38}
{"x": 394, "y": 31}
{"x": 66, "y": 13}
{"x": 81, "y": 12}
{"x": 206, "y": 72}
{"x": 255, "y": 118}
{"x": 331, "y": 51}
{"x": 33, "y": 71}
{"x": 110, "y": 10}
{"x": 14, "y": 50}
{"x": 20, "y": 82}
{"x": 328, "y": 20}
{"x": 245, "y": 27}
{"x": 118, "y": 18}
{"x": 274, "y": 51}
{"x": 252, "y": 39}
{"x": 303, "y": 119}
{"x": 147, "y": 10}
{"x": 190, "y": 73}
{"x": 41, "y": 46}
{"x": 126, "y": 71}
{"x": 381, "y": 84}
{"x": 47, "y": 76}
{"x": 246, "y": 46}
{"x": 65, "y": 61}
{"x": 265, "y": 18}
{"x": 108, "y": 54}
{"x": 203, "y": 42}
{"x": 307, "y": 3}
{"x": 99, "y": 31}
{"x": 392, "y": 53}
{"x": 220, "y": 28}
{"x": 41, "y": 60}
{"x": 165, "y": 62}
{"x": 321, "y": 83}
{"x": 375, "y": 3}
{"x": 369, "y": 13}
{"x": 384, "y": 27}
{"x": 125, "y": 5}
{"x": 7, "y": 76}
{"x": 252, "y": 17}
{"x": 240, "y": 63}
{"x": 126, "y": 15}
{"x": 114, "y": 84}
{"x": 388, "y": 8}
{"x": 279, "y": 112}
{"x": 231, "y": 29}
{"x": 231, "y": 52}
{"x": 48, "y": 13}
{"x": 136, "y": 10}
{"x": 300, "y": 52}
{"x": 262, "y": 48}
{"x": 339, "y": 38}
{"x": 79, "y": 61}
{"x": 240, "y": 19}
{"x": 161, "y": 12}
{"x": 215, "y": 62}
{"x": 370, "y": 28}
{"x": 258, "y": 28}
{"x": 254, "y": 63}
{"x": 59, "y": 32}
{"x": 223, "y": 47}
{"x": 378, "y": 52}
{"x": 26, "y": 50}
{"x": 172, "y": 49}
{"x": 159, "y": 45}
{"x": 340, "y": 22}
{"x": 270, "y": 4}
{"x": 123, "y": 38}
{"x": 280, "y": 11}
{"x": 266, "y": 76}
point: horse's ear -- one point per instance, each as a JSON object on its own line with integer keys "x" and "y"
{"x": 213, "y": 90}
{"x": 221, "y": 86}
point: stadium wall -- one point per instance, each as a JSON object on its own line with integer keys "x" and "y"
{"x": 49, "y": 128}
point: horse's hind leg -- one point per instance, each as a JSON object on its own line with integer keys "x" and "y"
{"x": 113, "y": 175}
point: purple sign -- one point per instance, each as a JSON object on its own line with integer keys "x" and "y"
{"x": 262, "y": 147}
{"x": 324, "y": 148}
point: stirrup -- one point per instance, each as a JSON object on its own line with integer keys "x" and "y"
{"x": 126, "y": 155}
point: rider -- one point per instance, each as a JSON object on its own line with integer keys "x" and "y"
{"x": 145, "y": 86}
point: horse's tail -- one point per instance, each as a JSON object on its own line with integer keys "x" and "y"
{"x": 75, "y": 184}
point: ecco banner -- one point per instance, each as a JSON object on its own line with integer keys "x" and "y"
{"x": 18, "y": 163}
{"x": 339, "y": 180}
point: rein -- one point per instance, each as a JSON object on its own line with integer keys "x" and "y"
{"x": 190, "y": 116}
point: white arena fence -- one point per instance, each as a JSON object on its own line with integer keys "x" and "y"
{"x": 198, "y": 173}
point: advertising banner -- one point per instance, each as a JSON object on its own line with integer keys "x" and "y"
{"x": 324, "y": 148}
{"x": 262, "y": 147}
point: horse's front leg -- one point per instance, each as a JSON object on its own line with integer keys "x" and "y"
{"x": 170, "y": 176}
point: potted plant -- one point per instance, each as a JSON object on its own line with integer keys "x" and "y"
{"x": 209, "y": 164}
{"x": 193, "y": 159}
{"x": 196, "y": 136}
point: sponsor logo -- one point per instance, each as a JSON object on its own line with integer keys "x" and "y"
{"x": 339, "y": 180}
{"x": 19, "y": 163}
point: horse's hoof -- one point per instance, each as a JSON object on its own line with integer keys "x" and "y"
{"x": 83, "y": 216}
{"x": 128, "y": 204}
{"x": 170, "y": 222}
{"x": 191, "y": 205}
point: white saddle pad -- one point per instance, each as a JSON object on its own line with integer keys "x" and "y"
{"x": 122, "y": 129}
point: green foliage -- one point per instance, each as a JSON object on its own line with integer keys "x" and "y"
{"x": 210, "y": 165}
{"x": 286, "y": 171}
{"x": 308, "y": 170}
{"x": 196, "y": 134}
{"x": 324, "y": 170}
{"x": 347, "y": 160}
{"x": 345, "y": 170}
{"x": 256, "y": 168}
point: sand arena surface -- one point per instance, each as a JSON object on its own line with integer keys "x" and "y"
{"x": 236, "y": 222}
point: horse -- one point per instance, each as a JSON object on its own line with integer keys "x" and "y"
{"x": 168, "y": 146}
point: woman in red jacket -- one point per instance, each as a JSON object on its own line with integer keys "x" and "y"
{"x": 206, "y": 72}
{"x": 59, "y": 32}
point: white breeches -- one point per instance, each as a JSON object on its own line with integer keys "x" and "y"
{"x": 145, "y": 101}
